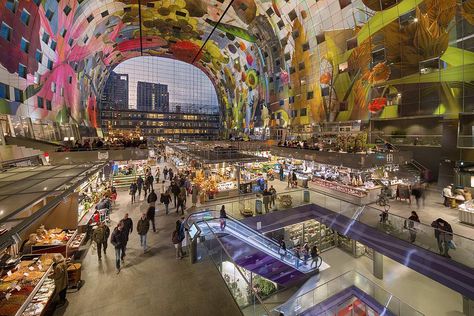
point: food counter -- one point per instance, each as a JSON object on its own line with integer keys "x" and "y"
{"x": 55, "y": 240}
{"x": 466, "y": 212}
{"x": 20, "y": 287}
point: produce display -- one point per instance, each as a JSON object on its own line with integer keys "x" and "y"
{"x": 40, "y": 300}
{"x": 19, "y": 283}
{"x": 77, "y": 240}
{"x": 340, "y": 187}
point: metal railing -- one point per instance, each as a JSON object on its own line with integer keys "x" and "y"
{"x": 312, "y": 298}
{"x": 395, "y": 225}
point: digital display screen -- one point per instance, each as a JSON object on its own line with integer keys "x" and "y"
{"x": 193, "y": 231}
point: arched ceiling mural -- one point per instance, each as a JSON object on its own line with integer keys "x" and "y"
{"x": 276, "y": 63}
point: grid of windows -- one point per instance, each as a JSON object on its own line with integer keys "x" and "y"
{"x": 6, "y": 31}
{"x": 190, "y": 90}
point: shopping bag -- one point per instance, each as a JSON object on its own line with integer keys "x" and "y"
{"x": 452, "y": 244}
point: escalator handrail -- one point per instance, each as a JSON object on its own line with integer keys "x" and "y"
{"x": 257, "y": 233}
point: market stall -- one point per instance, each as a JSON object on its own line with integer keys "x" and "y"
{"x": 466, "y": 212}
{"x": 25, "y": 288}
{"x": 125, "y": 173}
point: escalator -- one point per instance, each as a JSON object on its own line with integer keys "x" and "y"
{"x": 255, "y": 252}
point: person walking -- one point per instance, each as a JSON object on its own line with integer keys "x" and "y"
{"x": 181, "y": 202}
{"x": 146, "y": 187}
{"x": 157, "y": 175}
{"x": 143, "y": 226}
{"x": 100, "y": 236}
{"x": 117, "y": 240}
{"x": 266, "y": 199}
{"x": 184, "y": 194}
{"x": 194, "y": 195}
{"x": 223, "y": 217}
{"x": 282, "y": 175}
{"x": 413, "y": 221}
{"x": 273, "y": 196}
{"x": 175, "y": 190}
{"x": 127, "y": 224}
{"x": 152, "y": 198}
{"x": 314, "y": 256}
{"x": 289, "y": 179}
{"x": 150, "y": 214}
{"x": 165, "y": 173}
{"x": 165, "y": 198}
{"x": 150, "y": 180}
{"x": 444, "y": 235}
{"x": 171, "y": 174}
{"x": 417, "y": 192}
{"x": 59, "y": 275}
{"x": 133, "y": 191}
{"x": 139, "y": 186}
{"x": 295, "y": 180}
{"x": 177, "y": 241}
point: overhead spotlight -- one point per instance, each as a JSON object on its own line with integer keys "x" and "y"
{"x": 415, "y": 20}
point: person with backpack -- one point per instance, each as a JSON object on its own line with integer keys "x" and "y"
{"x": 127, "y": 224}
{"x": 177, "y": 241}
{"x": 139, "y": 185}
{"x": 143, "y": 226}
{"x": 100, "y": 237}
{"x": 133, "y": 191}
{"x": 150, "y": 214}
{"x": 152, "y": 198}
{"x": 165, "y": 198}
{"x": 117, "y": 240}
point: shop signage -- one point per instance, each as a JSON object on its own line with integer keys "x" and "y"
{"x": 103, "y": 155}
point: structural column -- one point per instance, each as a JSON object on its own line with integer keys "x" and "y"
{"x": 378, "y": 265}
{"x": 467, "y": 306}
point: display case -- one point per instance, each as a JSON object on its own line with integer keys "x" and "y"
{"x": 40, "y": 301}
{"x": 351, "y": 246}
{"x": 21, "y": 285}
{"x": 63, "y": 241}
{"x": 466, "y": 212}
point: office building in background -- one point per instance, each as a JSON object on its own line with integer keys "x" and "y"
{"x": 115, "y": 94}
{"x": 152, "y": 97}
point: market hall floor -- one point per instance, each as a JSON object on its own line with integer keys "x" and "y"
{"x": 154, "y": 283}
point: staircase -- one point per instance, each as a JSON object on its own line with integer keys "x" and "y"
{"x": 417, "y": 171}
{"x": 37, "y": 144}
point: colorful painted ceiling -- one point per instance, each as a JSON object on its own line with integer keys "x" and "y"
{"x": 278, "y": 63}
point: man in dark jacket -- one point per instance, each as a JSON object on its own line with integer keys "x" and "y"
{"x": 100, "y": 236}
{"x": 143, "y": 226}
{"x": 175, "y": 190}
{"x": 127, "y": 230}
{"x": 150, "y": 179}
{"x": 150, "y": 214}
{"x": 152, "y": 198}
{"x": 444, "y": 234}
{"x": 117, "y": 240}
{"x": 139, "y": 185}
{"x": 165, "y": 199}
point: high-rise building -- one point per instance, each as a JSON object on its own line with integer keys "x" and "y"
{"x": 152, "y": 97}
{"x": 115, "y": 94}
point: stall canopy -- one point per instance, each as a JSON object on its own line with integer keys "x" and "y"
{"x": 23, "y": 187}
